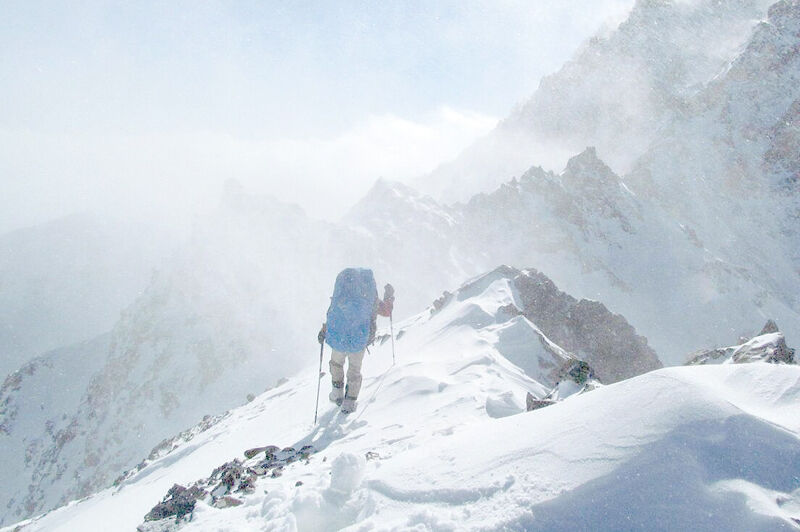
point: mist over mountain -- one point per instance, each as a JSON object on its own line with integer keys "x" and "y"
{"x": 645, "y": 202}
{"x": 67, "y": 281}
{"x": 616, "y": 94}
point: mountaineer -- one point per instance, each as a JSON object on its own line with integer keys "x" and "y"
{"x": 350, "y": 329}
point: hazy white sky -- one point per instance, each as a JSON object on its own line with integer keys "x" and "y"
{"x": 146, "y": 108}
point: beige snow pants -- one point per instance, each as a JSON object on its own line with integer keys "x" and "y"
{"x": 353, "y": 372}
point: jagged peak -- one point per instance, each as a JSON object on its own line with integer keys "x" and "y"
{"x": 588, "y": 164}
{"x": 769, "y": 327}
{"x": 386, "y": 188}
{"x": 501, "y": 272}
{"x": 387, "y": 199}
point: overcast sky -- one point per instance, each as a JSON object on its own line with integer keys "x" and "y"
{"x": 146, "y": 108}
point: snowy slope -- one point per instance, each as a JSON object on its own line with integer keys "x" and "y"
{"x": 692, "y": 246}
{"x": 701, "y": 448}
{"x": 224, "y": 317}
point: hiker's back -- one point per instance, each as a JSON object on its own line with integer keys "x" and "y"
{"x": 352, "y": 310}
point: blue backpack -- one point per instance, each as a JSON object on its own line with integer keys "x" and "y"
{"x": 351, "y": 316}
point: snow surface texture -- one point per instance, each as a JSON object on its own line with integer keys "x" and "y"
{"x": 690, "y": 245}
{"x": 690, "y": 448}
{"x": 164, "y": 372}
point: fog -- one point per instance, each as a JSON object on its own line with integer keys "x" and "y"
{"x": 181, "y": 183}
{"x": 144, "y": 110}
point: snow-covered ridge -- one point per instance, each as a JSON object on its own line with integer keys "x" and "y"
{"x": 585, "y": 329}
{"x": 598, "y": 239}
{"x": 693, "y": 246}
{"x": 441, "y": 440}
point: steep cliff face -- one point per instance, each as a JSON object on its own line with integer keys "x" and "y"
{"x": 586, "y": 328}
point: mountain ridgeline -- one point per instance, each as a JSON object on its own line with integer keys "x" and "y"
{"x": 655, "y": 177}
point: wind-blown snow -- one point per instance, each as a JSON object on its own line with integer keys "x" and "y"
{"x": 700, "y": 448}
{"x": 698, "y": 243}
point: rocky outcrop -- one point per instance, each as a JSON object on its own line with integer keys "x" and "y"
{"x": 768, "y": 346}
{"x": 575, "y": 377}
{"x": 224, "y": 488}
{"x": 580, "y": 329}
{"x": 586, "y": 328}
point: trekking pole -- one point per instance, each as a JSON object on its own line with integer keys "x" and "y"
{"x": 319, "y": 380}
{"x": 391, "y": 332}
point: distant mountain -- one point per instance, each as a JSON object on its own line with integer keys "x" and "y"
{"x": 693, "y": 105}
{"x": 588, "y": 231}
{"x": 616, "y": 93}
{"x": 691, "y": 233}
{"x": 37, "y": 407}
{"x": 67, "y": 281}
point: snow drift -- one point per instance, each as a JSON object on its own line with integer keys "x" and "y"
{"x": 441, "y": 441}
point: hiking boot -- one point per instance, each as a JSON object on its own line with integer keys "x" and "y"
{"x": 349, "y": 405}
{"x": 336, "y": 395}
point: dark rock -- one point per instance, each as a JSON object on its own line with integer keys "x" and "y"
{"x": 532, "y": 403}
{"x": 510, "y": 310}
{"x": 607, "y": 342}
{"x": 440, "y": 303}
{"x": 231, "y": 477}
{"x": 577, "y": 371}
{"x": 286, "y": 455}
{"x": 178, "y": 502}
{"x": 306, "y": 451}
{"x": 769, "y": 327}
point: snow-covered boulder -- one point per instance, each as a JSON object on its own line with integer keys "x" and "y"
{"x": 576, "y": 377}
{"x": 768, "y": 346}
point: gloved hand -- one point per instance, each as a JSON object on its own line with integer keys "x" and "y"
{"x": 322, "y": 332}
{"x": 388, "y": 293}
